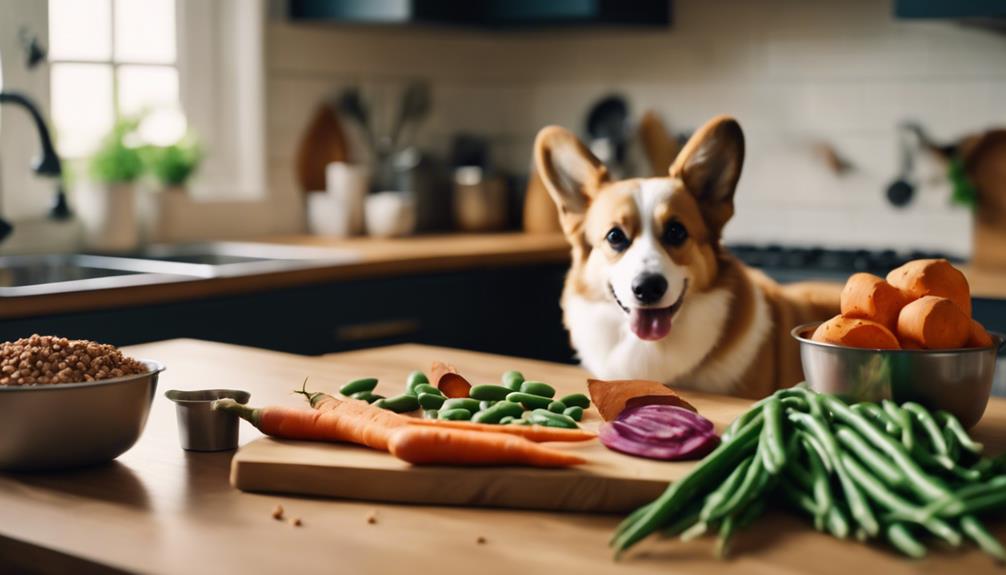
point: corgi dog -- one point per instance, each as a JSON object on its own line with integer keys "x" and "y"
{"x": 652, "y": 293}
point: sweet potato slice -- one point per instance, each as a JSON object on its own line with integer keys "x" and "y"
{"x": 920, "y": 278}
{"x": 934, "y": 322}
{"x": 867, "y": 296}
{"x": 447, "y": 379}
{"x": 979, "y": 337}
{"x": 611, "y": 397}
{"x": 852, "y": 332}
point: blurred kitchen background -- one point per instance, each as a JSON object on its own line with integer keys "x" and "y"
{"x": 870, "y": 125}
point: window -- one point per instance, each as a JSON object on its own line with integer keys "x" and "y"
{"x": 111, "y": 59}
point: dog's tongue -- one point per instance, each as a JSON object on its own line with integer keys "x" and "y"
{"x": 650, "y": 324}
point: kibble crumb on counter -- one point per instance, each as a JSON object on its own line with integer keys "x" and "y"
{"x": 372, "y": 518}
{"x": 296, "y": 522}
{"x": 47, "y": 360}
{"x": 481, "y": 540}
{"x": 277, "y": 513}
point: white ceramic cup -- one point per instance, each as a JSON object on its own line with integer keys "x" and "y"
{"x": 348, "y": 184}
{"x": 391, "y": 214}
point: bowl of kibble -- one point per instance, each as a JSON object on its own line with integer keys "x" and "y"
{"x": 70, "y": 403}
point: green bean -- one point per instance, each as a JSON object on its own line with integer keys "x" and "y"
{"x": 895, "y": 503}
{"x": 497, "y": 412}
{"x": 431, "y": 401}
{"x": 557, "y": 406}
{"x": 953, "y": 446}
{"x": 771, "y": 436}
{"x": 879, "y": 416}
{"x": 415, "y": 379}
{"x": 966, "y": 496}
{"x": 576, "y": 400}
{"x": 683, "y": 522}
{"x": 358, "y": 385}
{"x": 797, "y": 497}
{"x": 903, "y": 540}
{"x": 954, "y": 425}
{"x": 680, "y": 492}
{"x": 815, "y": 444}
{"x": 978, "y": 504}
{"x": 732, "y": 523}
{"x": 575, "y": 412}
{"x": 512, "y": 380}
{"x": 837, "y": 522}
{"x": 368, "y": 396}
{"x": 726, "y": 531}
{"x": 632, "y": 518}
{"x": 549, "y": 419}
{"x": 855, "y": 443}
{"x": 529, "y": 401}
{"x": 797, "y": 403}
{"x": 472, "y": 405}
{"x": 927, "y": 487}
{"x": 755, "y": 478}
{"x": 928, "y": 424}
{"x": 857, "y": 503}
{"x": 800, "y": 474}
{"x": 399, "y": 403}
{"x": 944, "y": 463}
{"x": 488, "y": 392}
{"x": 538, "y": 388}
{"x": 427, "y": 388}
{"x": 720, "y": 494}
{"x": 904, "y": 421}
{"x": 695, "y": 531}
{"x": 821, "y": 486}
{"x": 457, "y": 414}
{"x": 974, "y": 529}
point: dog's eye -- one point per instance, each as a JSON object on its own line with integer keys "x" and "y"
{"x": 617, "y": 239}
{"x": 675, "y": 233}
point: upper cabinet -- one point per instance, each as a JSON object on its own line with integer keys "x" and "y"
{"x": 501, "y": 14}
{"x": 951, "y": 9}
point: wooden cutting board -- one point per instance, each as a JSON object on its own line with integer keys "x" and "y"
{"x": 609, "y": 482}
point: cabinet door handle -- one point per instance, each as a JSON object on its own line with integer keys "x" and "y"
{"x": 376, "y": 330}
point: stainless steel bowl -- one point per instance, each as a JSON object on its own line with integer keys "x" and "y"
{"x": 73, "y": 424}
{"x": 955, "y": 380}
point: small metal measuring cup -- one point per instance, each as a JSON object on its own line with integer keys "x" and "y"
{"x": 200, "y": 428}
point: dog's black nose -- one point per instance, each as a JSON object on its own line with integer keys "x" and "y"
{"x": 649, "y": 288}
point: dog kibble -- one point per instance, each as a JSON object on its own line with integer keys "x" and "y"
{"x": 277, "y": 513}
{"x": 296, "y": 522}
{"x": 47, "y": 360}
{"x": 481, "y": 540}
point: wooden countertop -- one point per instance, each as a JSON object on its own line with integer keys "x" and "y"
{"x": 159, "y": 509}
{"x": 377, "y": 258}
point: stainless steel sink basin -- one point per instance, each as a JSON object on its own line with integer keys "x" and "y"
{"x": 61, "y": 273}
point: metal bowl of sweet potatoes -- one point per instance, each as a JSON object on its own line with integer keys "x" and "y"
{"x": 68, "y": 425}
{"x": 956, "y": 380}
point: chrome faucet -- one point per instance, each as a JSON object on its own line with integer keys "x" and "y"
{"x": 46, "y": 165}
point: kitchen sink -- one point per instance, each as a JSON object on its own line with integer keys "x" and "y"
{"x": 27, "y": 275}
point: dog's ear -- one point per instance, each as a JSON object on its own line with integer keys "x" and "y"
{"x": 570, "y": 172}
{"x": 710, "y": 165}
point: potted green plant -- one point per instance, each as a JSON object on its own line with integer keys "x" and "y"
{"x": 173, "y": 166}
{"x": 107, "y": 202}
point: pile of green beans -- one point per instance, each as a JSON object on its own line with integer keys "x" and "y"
{"x": 871, "y": 471}
{"x": 515, "y": 401}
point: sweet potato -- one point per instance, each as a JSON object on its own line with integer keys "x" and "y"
{"x": 852, "y": 332}
{"x": 979, "y": 337}
{"x": 867, "y": 296}
{"x": 934, "y": 322}
{"x": 611, "y": 397}
{"x": 932, "y": 277}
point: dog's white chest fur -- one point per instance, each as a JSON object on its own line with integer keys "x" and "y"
{"x": 608, "y": 348}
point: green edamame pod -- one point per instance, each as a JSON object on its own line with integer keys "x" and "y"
{"x": 483, "y": 405}
{"x": 557, "y": 406}
{"x": 539, "y": 388}
{"x": 576, "y": 400}
{"x": 506, "y": 420}
{"x": 549, "y": 419}
{"x": 431, "y": 414}
{"x": 519, "y": 421}
{"x": 415, "y": 378}
{"x": 427, "y": 388}
{"x": 498, "y": 411}
{"x": 399, "y": 403}
{"x": 489, "y": 392}
{"x": 455, "y": 414}
{"x": 431, "y": 401}
{"x": 471, "y": 405}
{"x": 528, "y": 400}
{"x": 368, "y": 396}
{"x": 358, "y": 385}
{"x": 575, "y": 412}
{"x": 512, "y": 380}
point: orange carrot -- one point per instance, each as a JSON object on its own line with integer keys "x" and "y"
{"x": 934, "y": 323}
{"x": 920, "y": 278}
{"x": 866, "y": 296}
{"x": 349, "y": 420}
{"x": 979, "y": 337}
{"x": 424, "y": 445}
{"x": 536, "y": 433}
{"x": 855, "y": 333}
